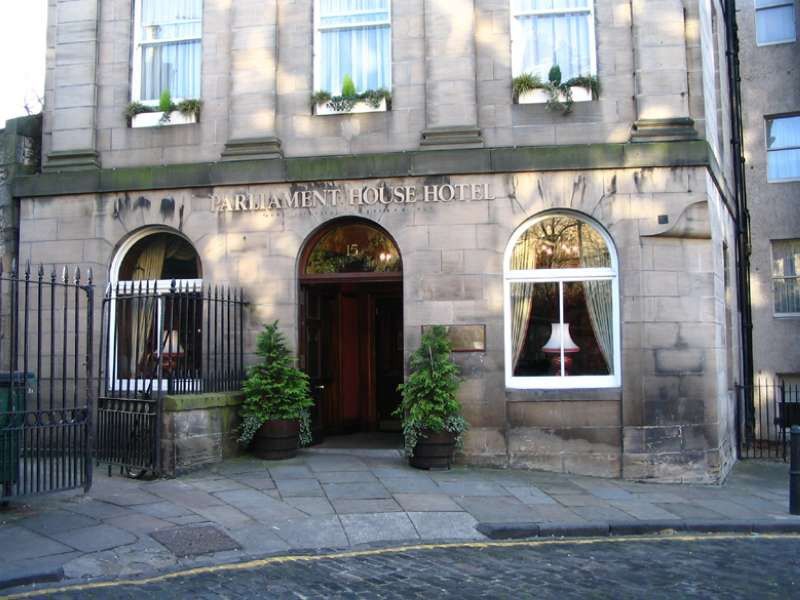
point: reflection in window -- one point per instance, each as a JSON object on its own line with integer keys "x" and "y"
{"x": 353, "y": 248}
{"x": 561, "y": 309}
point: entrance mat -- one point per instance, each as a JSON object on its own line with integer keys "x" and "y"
{"x": 191, "y": 541}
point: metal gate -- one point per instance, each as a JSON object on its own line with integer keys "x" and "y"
{"x": 765, "y": 413}
{"x": 45, "y": 381}
{"x": 161, "y": 338}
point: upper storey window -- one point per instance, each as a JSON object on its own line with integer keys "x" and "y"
{"x": 167, "y": 49}
{"x": 545, "y": 33}
{"x": 775, "y": 22}
{"x": 352, "y": 38}
{"x": 783, "y": 148}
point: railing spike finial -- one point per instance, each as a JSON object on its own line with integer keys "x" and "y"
{"x": 40, "y": 272}
{"x": 89, "y": 276}
{"x": 13, "y": 266}
{"x": 28, "y": 269}
{"x": 77, "y": 275}
{"x": 65, "y": 274}
{"x": 53, "y": 274}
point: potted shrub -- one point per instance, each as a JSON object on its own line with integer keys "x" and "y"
{"x": 431, "y": 413}
{"x": 350, "y": 101}
{"x": 275, "y": 411}
{"x": 556, "y": 94}
{"x": 166, "y": 112}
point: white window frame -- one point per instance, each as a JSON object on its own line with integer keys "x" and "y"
{"x": 561, "y": 276}
{"x": 516, "y": 33}
{"x": 768, "y": 150}
{"x": 774, "y": 278}
{"x": 775, "y": 4}
{"x": 160, "y": 287}
{"x": 139, "y": 45}
{"x": 318, "y": 29}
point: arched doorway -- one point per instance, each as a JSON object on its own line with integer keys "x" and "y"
{"x": 351, "y": 325}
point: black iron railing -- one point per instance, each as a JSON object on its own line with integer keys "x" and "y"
{"x": 162, "y": 338}
{"x": 46, "y": 383}
{"x": 765, "y": 413}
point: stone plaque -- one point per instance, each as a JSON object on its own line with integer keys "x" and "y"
{"x": 465, "y": 338}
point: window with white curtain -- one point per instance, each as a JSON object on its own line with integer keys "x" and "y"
{"x": 545, "y": 33}
{"x": 561, "y": 305}
{"x": 352, "y": 37}
{"x": 783, "y": 148}
{"x": 786, "y": 276}
{"x": 167, "y": 49}
{"x": 775, "y": 22}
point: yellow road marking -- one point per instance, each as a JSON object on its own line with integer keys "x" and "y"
{"x": 272, "y": 560}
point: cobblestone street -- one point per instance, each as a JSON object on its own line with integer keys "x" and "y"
{"x": 672, "y": 567}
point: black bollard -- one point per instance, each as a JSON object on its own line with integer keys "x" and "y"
{"x": 794, "y": 472}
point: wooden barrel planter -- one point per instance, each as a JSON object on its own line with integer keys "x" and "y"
{"x": 434, "y": 450}
{"x": 276, "y": 440}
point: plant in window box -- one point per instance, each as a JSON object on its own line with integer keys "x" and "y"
{"x": 275, "y": 411}
{"x": 166, "y": 112}
{"x": 556, "y": 94}
{"x": 432, "y": 423}
{"x": 350, "y": 101}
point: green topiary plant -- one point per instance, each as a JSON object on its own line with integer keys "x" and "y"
{"x": 429, "y": 401}
{"x": 348, "y": 87}
{"x": 275, "y": 389}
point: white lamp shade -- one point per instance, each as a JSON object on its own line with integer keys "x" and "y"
{"x": 558, "y": 332}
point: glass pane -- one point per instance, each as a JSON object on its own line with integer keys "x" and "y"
{"x": 783, "y": 132}
{"x": 531, "y": 5}
{"x": 787, "y": 295}
{"x": 534, "y": 308}
{"x": 588, "y": 311}
{"x": 171, "y": 66}
{"x": 343, "y": 13}
{"x": 775, "y": 24}
{"x": 354, "y": 248}
{"x": 785, "y": 258}
{"x": 170, "y": 19}
{"x": 560, "y": 243}
{"x": 160, "y": 256}
{"x": 783, "y": 164}
{"x": 362, "y": 53}
{"x": 550, "y": 40}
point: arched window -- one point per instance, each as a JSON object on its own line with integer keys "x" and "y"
{"x": 561, "y": 305}
{"x": 155, "y": 312}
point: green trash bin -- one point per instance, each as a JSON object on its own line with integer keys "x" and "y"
{"x": 14, "y": 390}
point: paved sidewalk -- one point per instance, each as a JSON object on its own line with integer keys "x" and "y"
{"x": 338, "y": 498}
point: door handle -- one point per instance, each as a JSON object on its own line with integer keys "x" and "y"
{"x": 320, "y": 387}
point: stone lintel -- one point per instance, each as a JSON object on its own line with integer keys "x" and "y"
{"x": 71, "y": 160}
{"x": 461, "y": 136}
{"x": 253, "y": 149}
{"x": 664, "y": 130}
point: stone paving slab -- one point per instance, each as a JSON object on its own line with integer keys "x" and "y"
{"x": 342, "y": 498}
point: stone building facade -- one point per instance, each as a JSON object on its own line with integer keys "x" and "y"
{"x": 455, "y": 174}
{"x": 771, "y": 97}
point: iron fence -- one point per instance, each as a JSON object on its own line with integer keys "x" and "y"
{"x": 45, "y": 381}
{"x": 162, "y": 338}
{"x": 765, "y": 412}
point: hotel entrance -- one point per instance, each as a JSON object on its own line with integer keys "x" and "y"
{"x": 351, "y": 327}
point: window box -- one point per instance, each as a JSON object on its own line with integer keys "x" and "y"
{"x": 156, "y": 119}
{"x": 360, "y": 106}
{"x": 579, "y": 94}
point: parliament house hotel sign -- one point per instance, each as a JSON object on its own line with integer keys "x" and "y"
{"x": 367, "y": 196}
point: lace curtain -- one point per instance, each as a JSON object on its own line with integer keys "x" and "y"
{"x": 553, "y": 39}
{"x": 786, "y": 275}
{"x": 356, "y": 40}
{"x": 171, "y": 48}
{"x": 523, "y": 258}
{"x": 598, "y": 294}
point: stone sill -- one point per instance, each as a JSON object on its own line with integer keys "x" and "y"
{"x": 565, "y": 395}
{"x": 182, "y": 403}
{"x": 324, "y": 108}
{"x": 579, "y": 94}
{"x": 153, "y": 119}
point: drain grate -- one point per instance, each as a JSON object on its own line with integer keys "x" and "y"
{"x": 191, "y": 541}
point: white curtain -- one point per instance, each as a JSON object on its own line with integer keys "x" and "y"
{"x": 554, "y": 39}
{"x": 356, "y": 40}
{"x": 598, "y": 294}
{"x": 786, "y": 275}
{"x": 775, "y": 21}
{"x": 783, "y": 145}
{"x": 173, "y": 63}
{"x": 523, "y": 258}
